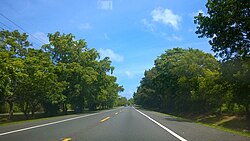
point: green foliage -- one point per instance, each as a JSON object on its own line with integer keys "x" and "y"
{"x": 122, "y": 101}
{"x": 227, "y": 24}
{"x": 236, "y": 74}
{"x": 131, "y": 101}
{"x": 13, "y": 48}
{"x": 228, "y": 27}
{"x": 178, "y": 82}
{"x": 192, "y": 81}
{"x": 64, "y": 72}
{"x": 188, "y": 80}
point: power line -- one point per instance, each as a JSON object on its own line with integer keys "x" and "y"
{"x": 22, "y": 28}
{"x": 5, "y": 25}
{"x": 11, "y": 29}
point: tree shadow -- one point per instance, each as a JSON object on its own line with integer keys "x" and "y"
{"x": 169, "y": 118}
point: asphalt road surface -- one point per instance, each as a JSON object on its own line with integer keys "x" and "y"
{"x": 120, "y": 124}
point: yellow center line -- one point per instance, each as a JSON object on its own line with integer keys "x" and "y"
{"x": 104, "y": 119}
{"x": 67, "y": 139}
{"x": 116, "y": 113}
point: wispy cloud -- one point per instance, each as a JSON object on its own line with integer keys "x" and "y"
{"x": 105, "y": 4}
{"x": 111, "y": 54}
{"x": 129, "y": 74}
{"x": 106, "y": 36}
{"x": 166, "y": 16}
{"x": 42, "y": 37}
{"x": 149, "y": 25}
{"x": 152, "y": 28}
{"x": 175, "y": 38}
{"x": 84, "y": 26}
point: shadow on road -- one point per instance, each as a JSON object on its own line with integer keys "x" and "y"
{"x": 176, "y": 119}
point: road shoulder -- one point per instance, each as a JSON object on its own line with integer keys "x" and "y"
{"x": 192, "y": 130}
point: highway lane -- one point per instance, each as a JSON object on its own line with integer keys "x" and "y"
{"x": 121, "y": 124}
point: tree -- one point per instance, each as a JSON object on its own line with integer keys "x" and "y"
{"x": 236, "y": 74}
{"x": 131, "y": 101}
{"x": 40, "y": 86}
{"x": 228, "y": 27}
{"x": 66, "y": 54}
{"x": 181, "y": 81}
{"x": 88, "y": 82}
{"x": 63, "y": 73}
{"x": 147, "y": 95}
{"x": 13, "y": 47}
{"x": 122, "y": 101}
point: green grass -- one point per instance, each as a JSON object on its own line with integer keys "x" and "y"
{"x": 19, "y": 117}
{"x": 9, "y": 122}
{"x": 247, "y": 134}
{"x": 233, "y": 124}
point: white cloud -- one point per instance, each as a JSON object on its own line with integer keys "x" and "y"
{"x": 111, "y": 54}
{"x": 42, "y": 37}
{"x": 106, "y": 36}
{"x": 175, "y": 38}
{"x": 129, "y": 74}
{"x": 84, "y": 26}
{"x": 105, "y": 4}
{"x": 166, "y": 16}
{"x": 149, "y": 25}
{"x": 170, "y": 37}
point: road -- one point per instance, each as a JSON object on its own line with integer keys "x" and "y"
{"x": 120, "y": 124}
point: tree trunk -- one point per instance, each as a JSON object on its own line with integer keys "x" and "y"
{"x": 65, "y": 109}
{"x": 26, "y": 114}
{"x": 11, "y": 105}
{"x": 26, "y": 110}
{"x": 32, "y": 113}
{"x": 247, "y": 110}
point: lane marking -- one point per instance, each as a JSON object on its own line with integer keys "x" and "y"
{"x": 104, "y": 119}
{"x": 67, "y": 139}
{"x": 165, "y": 128}
{"x": 116, "y": 113}
{"x": 51, "y": 123}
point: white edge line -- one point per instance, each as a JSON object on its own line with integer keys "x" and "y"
{"x": 165, "y": 128}
{"x": 51, "y": 123}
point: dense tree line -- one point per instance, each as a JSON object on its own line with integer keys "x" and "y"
{"x": 122, "y": 101}
{"x": 189, "y": 80}
{"x": 63, "y": 74}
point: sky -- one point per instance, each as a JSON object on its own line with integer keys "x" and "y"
{"x": 133, "y": 33}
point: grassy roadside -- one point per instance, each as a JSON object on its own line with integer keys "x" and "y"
{"x": 229, "y": 123}
{"x": 20, "y": 118}
{"x": 11, "y": 122}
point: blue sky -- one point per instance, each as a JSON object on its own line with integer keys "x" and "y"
{"x": 131, "y": 32}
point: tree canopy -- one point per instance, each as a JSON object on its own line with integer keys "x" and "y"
{"x": 64, "y": 74}
{"x": 227, "y": 25}
{"x": 189, "y": 80}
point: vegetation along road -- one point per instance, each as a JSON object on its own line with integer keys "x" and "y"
{"x": 160, "y": 65}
